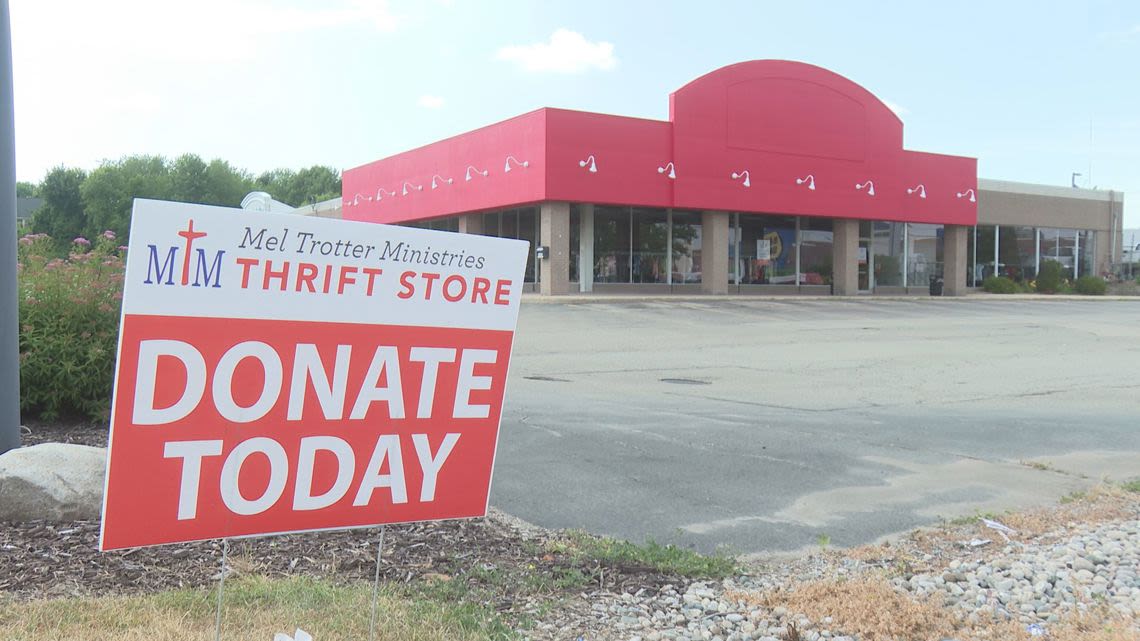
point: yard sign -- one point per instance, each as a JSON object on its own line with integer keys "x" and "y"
{"x": 281, "y": 373}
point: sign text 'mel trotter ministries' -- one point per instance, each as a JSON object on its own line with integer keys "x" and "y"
{"x": 280, "y": 373}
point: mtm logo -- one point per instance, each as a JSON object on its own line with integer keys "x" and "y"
{"x": 207, "y": 271}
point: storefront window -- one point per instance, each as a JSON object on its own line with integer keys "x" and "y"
{"x": 1016, "y": 252}
{"x": 768, "y": 249}
{"x": 650, "y": 238}
{"x": 972, "y": 258}
{"x": 438, "y": 224}
{"x": 815, "y": 251}
{"x": 985, "y": 266}
{"x": 924, "y": 253}
{"x": 611, "y": 245}
{"x": 528, "y": 231}
{"x": 575, "y": 236}
{"x": 686, "y": 247}
{"x": 1059, "y": 245}
{"x": 887, "y": 246}
{"x": 514, "y": 223}
{"x": 1087, "y": 260}
{"x": 491, "y": 222}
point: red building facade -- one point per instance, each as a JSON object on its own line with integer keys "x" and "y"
{"x": 769, "y": 176}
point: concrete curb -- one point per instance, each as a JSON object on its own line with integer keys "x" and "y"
{"x": 576, "y": 299}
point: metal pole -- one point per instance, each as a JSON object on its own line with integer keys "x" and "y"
{"x": 376, "y": 587}
{"x": 221, "y": 589}
{"x": 9, "y": 298}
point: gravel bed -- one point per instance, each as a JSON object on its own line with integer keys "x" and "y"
{"x": 1033, "y": 584}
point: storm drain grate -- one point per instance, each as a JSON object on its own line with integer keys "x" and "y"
{"x": 685, "y": 381}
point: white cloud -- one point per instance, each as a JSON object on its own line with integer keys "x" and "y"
{"x": 899, "y": 110}
{"x": 430, "y": 102}
{"x": 566, "y": 52}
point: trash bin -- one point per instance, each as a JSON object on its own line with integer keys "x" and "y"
{"x": 935, "y": 286}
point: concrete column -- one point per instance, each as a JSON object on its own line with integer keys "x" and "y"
{"x": 471, "y": 224}
{"x": 845, "y": 256}
{"x": 714, "y": 252}
{"x": 955, "y": 261}
{"x": 554, "y": 270}
{"x": 586, "y": 248}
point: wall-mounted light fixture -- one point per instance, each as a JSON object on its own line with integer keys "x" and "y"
{"x": 968, "y": 192}
{"x": 869, "y": 186}
{"x": 471, "y": 168}
{"x": 809, "y": 179}
{"x": 507, "y": 166}
{"x": 591, "y": 162}
{"x": 441, "y": 179}
{"x": 671, "y": 169}
{"x": 404, "y": 191}
{"x": 743, "y": 174}
{"x": 381, "y": 192}
{"x": 920, "y": 189}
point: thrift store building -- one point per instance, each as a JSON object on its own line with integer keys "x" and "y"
{"x": 769, "y": 177}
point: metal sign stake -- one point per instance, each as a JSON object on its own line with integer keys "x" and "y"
{"x": 376, "y": 587}
{"x": 221, "y": 589}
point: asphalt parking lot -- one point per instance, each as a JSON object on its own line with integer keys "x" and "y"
{"x": 766, "y": 425}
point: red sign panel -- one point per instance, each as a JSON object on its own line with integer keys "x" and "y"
{"x": 270, "y": 387}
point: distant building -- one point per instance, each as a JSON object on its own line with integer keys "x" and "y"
{"x": 25, "y": 207}
{"x": 1131, "y": 252}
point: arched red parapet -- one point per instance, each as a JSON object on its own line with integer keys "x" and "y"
{"x": 793, "y": 126}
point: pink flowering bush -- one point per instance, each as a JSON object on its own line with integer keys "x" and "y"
{"x": 69, "y": 325}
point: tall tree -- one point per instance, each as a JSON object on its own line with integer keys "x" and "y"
{"x": 225, "y": 185}
{"x": 27, "y": 190}
{"x": 187, "y": 178}
{"x": 315, "y": 184}
{"x": 110, "y": 190}
{"x": 310, "y": 185}
{"x": 62, "y": 215}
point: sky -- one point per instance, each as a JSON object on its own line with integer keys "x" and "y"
{"x": 1034, "y": 90}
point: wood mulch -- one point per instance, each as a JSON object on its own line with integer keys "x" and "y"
{"x": 497, "y": 555}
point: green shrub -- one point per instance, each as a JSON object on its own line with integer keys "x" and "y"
{"x": 999, "y": 285}
{"x": 1090, "y": 286}
{"x": 1049, "y": 277}
{"x": 69, "y": 326}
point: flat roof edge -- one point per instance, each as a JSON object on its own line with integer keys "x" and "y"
{"x": 1055, "y": 191}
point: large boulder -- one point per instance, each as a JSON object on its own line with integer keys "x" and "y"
{"x": 52, "y": 481}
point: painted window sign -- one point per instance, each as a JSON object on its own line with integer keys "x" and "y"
{"x": 280, "y": 374}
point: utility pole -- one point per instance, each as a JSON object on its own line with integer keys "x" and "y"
{"x": 9, "y": 298}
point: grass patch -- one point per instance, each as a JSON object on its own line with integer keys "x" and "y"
{"x": 971, "y": 519}
{"x": 1131, "y": 486}
{"x": 1073, "y": 497}
{"x": 585, "y": 549}
{"x": 255, "y": 609}
{"x": 1038, "y": 465}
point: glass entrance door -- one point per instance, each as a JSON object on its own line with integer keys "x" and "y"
{"x": 866, "y": 265}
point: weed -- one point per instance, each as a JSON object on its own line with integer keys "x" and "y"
{"x": 971, "y": 519}
{"x": 1073, "y": 497}
{"x": 823, "y": 540}
{"x": 584, "y": 549}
